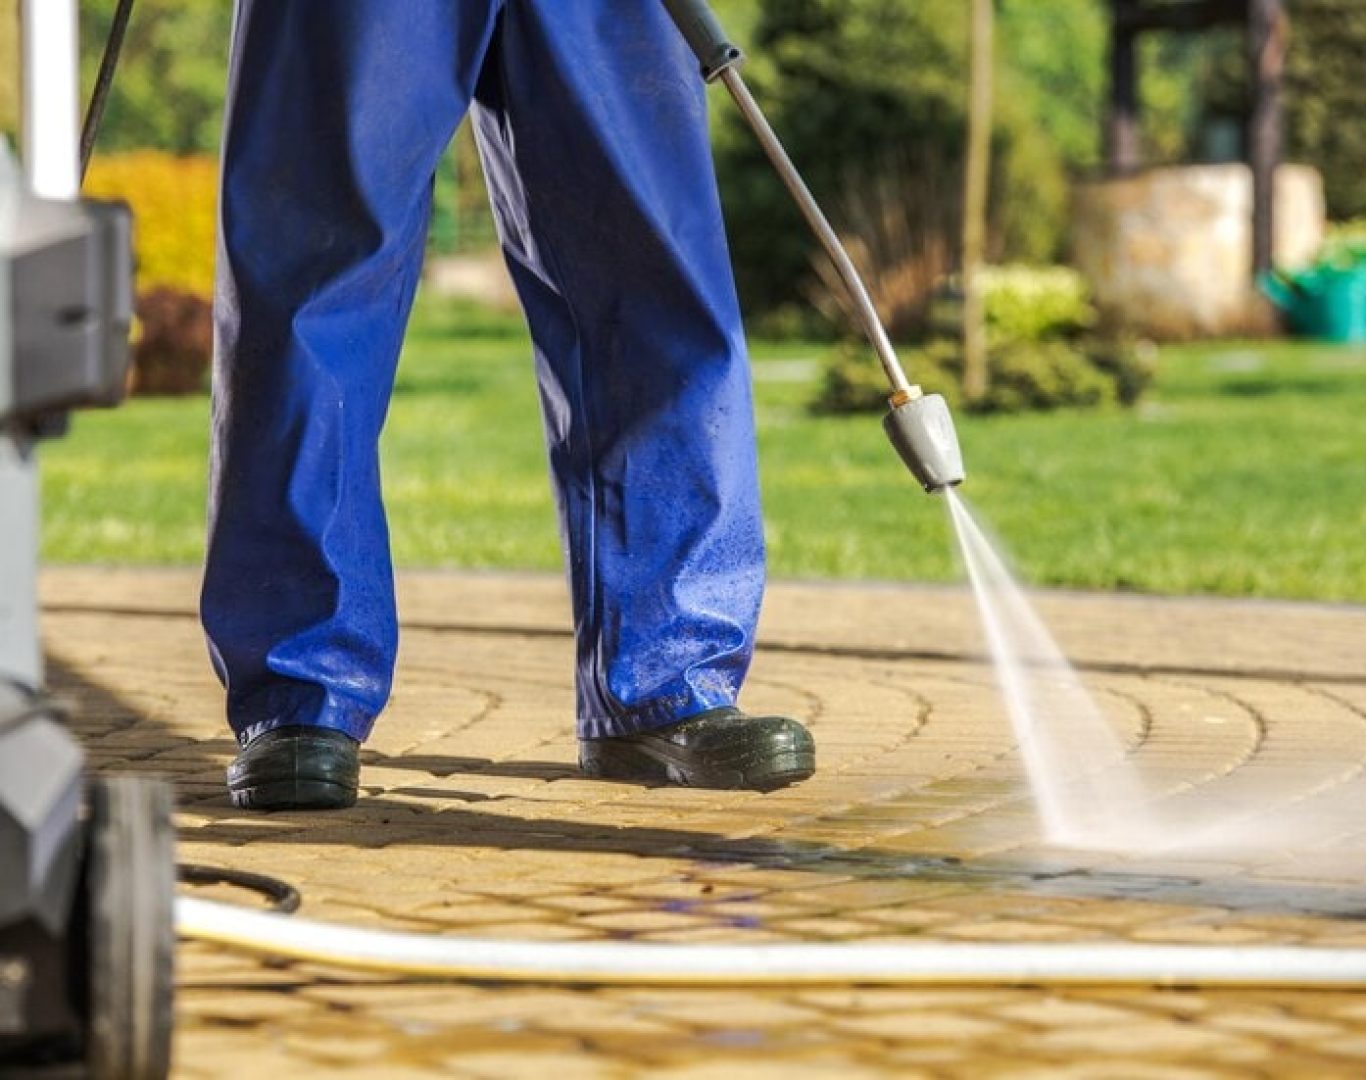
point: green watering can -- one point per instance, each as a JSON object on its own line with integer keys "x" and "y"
{"x": 1327, "y": 302}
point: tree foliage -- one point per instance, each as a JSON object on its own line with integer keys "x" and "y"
{"x": 848, "y": 84}
{"x": 1055, "y": 53}
{"x": 169, "y": 93}
{"x": 858, "y": 88}
{"x": 1326, "y": 97}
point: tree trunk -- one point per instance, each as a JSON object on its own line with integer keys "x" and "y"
{"x": 1123, "y": 144}
{"x": 1267, "y": 40}
{"x": 977, "y": 182}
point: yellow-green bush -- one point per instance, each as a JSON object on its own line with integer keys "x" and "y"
{"x": 1045, "y": 352}
{"x": 1026, "y": 376}
{"x": 173, "y": 200}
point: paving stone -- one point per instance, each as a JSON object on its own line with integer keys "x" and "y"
{"x": 1127, "y": 1070}
{"x": 921, "y": 1027}
{"x": 1353, "y": 1046}
{"x": 1059, "y": 1012}
{"x": 917, "y": 828}
{"x": 1162, "y": 1040}
{"x": 1278, "y": 1027}
{"x": 779, "y": 1070}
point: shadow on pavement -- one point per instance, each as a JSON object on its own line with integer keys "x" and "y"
{"x": 117, "y": 738}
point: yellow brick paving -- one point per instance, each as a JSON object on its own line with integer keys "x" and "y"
{"x": 918, "y": 827}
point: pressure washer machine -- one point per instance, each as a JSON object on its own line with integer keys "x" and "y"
{"x": 86, "y": 908}
{"x": 86, "y": 865}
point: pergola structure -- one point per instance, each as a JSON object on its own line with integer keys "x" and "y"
{"x": 1267, "y": 35}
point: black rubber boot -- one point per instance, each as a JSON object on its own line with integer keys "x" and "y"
{"x": 722, "y": 748}
{"x": 296, "y": 768}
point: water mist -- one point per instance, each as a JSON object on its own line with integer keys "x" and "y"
{"x": 1075, "y": 762}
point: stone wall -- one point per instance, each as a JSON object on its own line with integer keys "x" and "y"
{"x": 1168, "y": 252}
{"x": 480, "y": 276}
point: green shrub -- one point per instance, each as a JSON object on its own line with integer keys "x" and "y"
{"x": 1039, "y": 375}
{"x": 174, "y": 344}
{"x": 174, "y": 202}
{"x": 1345, "y": 244}
{"x": 853, "y": 381}
{"x": 1031, "y": 376}
{"x": 1130, "y": 363}
{"x": 802, "y": 322}
{"x": 1044, "y": 353}
{"x": 1034, "y": 303}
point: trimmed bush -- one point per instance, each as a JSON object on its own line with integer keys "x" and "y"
{"x": 1044, "y": 348}
{"x": 1345, "y": 244}
{"x": 1030, "y": 376}
{"x": 174, "y": 203}
{"x": 1025, "y": 376}
{"x": 1033, "y": 303}
{"x": 174, "y": 345}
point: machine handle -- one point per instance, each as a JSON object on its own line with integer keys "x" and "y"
{"x": 705, "y": 34}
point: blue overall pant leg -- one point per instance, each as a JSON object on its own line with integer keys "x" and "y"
{"x": 592, "y": 126}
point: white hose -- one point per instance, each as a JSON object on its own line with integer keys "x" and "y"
{"x": 624, "y": 963}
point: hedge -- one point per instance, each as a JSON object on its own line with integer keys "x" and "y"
{"x": 174, "y": 203}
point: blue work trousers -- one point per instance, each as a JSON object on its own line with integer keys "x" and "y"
{"x": 591, "y": 122}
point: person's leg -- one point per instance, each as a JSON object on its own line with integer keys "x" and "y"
{"x": 592, "y": 120}
{"x": 338, "y": 113}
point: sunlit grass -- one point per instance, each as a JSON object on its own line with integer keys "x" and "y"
{"x": 1241, "y": 474}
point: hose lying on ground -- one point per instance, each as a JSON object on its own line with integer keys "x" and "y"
{"x": 283, "y": 897}
{"x": 625, "y": 963}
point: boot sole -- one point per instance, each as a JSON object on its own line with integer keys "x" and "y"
{"x": 628, "y": 760}
{"x": 294, "y": 795}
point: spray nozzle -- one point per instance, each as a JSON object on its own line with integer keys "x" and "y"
{"x": 921, "y": 428}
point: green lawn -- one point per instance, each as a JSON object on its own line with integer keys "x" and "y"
{"x": 1242, "y": 474}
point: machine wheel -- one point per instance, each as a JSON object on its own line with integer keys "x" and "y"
{"x": 131, "y": 925}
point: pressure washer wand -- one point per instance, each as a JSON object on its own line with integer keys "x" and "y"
{"x": 820, "y": 225}
{"x": 919, "y": 425}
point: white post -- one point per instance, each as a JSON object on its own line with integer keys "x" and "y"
{"x": 49, "y": 61}
{"x": 51, "y": 66}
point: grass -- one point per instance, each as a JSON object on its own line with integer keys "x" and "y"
{"x": 1242, "y": 474}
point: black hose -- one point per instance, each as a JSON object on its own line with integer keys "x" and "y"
{"x": 284, "y": 897}
{"x": 104, "y": 82}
